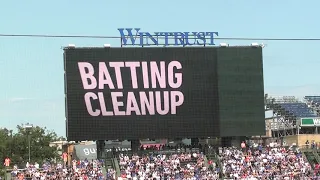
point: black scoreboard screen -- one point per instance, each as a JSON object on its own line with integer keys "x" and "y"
{"x": 136, "y": 93}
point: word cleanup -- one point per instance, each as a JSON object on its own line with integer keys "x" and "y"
{"x": 153, "y": 87}
{"x": 129, "y": 37}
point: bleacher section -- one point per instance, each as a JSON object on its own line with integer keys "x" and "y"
{"x": 314, "y": 102}
{"x": 298, "y": 109}
{"x": 288, "y": 113}
{"x": 314, "y": 99}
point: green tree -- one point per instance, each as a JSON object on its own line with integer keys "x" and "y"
{"x": 17, "y": 145}
{"x": 4, "y": 142}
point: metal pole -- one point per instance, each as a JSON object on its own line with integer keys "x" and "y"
{"x": 29, "y": 146}
{"x": 6, "y": 174}
{"x": 11, "y": 143}
{"x": 28, "y": 127}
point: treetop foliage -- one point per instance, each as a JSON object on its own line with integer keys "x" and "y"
{"x": 15, "y": 144}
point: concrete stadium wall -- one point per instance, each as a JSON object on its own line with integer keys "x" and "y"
{"x": 301, "y": 139}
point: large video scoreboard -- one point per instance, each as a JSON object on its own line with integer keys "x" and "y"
{"x": 136, "y": 93}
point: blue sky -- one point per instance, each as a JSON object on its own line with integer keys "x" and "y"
{"x": 31, "y": 69}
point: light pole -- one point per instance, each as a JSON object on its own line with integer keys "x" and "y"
{"x": 28, "y": 127}
{"x": 11, "y": 142}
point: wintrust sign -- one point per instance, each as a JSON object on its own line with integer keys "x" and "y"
{"x": 133, "y": 37}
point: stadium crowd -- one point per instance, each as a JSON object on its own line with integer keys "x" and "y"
{"x": 271, "y": 162}
{"x": 80, "y": 170}
{"x": 189, "y": 166}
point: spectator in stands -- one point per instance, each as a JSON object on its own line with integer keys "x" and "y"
{"x": 243, "y": 146}
{"x": 313, "y": 145}
{"x": 307, "y": 143}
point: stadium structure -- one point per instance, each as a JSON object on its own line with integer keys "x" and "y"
{"x": 237, "y": 115}
{"x": 293, "y": 121}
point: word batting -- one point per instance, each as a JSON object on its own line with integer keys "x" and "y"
{"x": 139, "y": 100}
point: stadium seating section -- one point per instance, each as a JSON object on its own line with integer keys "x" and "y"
{"x": 299, "y": 109}
{"x": 315, "y": 100}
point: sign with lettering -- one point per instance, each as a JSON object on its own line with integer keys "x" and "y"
{"x": 122, "y": 93}
{"x": 310, "y": 122}
{"x": 85, "y": 152}
{"x": 133, "y": 36}
{"x": 166, "y": 76}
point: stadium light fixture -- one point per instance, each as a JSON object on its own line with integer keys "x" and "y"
{"x": 71, "y": 45}
{"x": 106, "y": 45}
{"x": 28, "y": 127}
{"x": 224, "y": 44}
{"x": 255, "y": 44}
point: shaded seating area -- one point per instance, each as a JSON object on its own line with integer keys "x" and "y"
{"x": 314, "y": 99}
{"x": 314, "y": 102}
{"x": 298, "y": 110}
